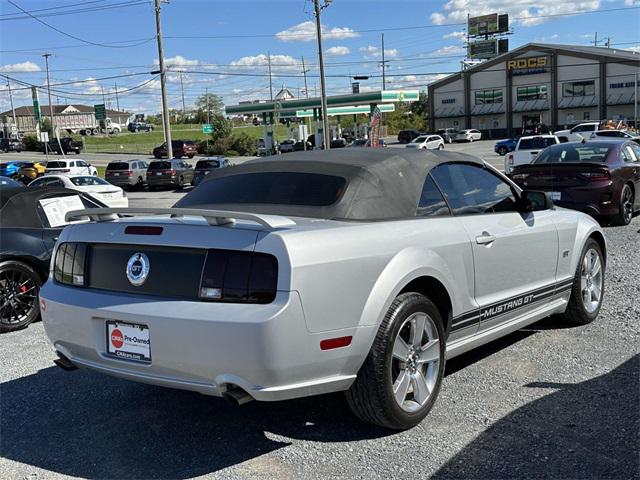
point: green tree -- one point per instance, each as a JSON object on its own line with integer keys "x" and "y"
{"x": 211, "y": 102}
{"x": 221, "y": 127}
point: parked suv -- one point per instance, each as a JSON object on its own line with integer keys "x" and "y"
{"x": 469, "y": 135}
{"x": 181, "y": 148}
{"x": 11, "y": 145}
{"x": 140, "y": 127}
{"x": 207, "y": 165}
{"x": 169, "y": 173}
{"x": 406, "y": 136}
{"x": 69, "y": 145}
{"x": 127, "y": 173}
{"x": 577, "y": 133}
{"x": 70, "y": 167}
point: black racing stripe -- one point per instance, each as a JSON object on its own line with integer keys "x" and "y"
{"x": 465, "y": 319}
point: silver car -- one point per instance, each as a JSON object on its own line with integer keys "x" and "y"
{"x": 470, "y": 135}
{"x": 127, "y": 173}
{"x": 350, "y": 270}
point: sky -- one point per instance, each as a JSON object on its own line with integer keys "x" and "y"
{"x": 223, "y": 46}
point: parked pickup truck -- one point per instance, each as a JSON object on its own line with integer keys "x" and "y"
{"x": 66, "y": 145}
{"x": 577, "y": 133}
{"x": 527, "y": 149}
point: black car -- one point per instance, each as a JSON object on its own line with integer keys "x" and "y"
{"x": 207, "y": 165}
{"x": 11, "y": 145}
{"x": 406, "y": 136}
{"x": 140, "y": 127}
{"x": 30, "y": 227}
{"x": 68, "y": 144}
{"x": 338, "y": 143}
{"x": 299, "y": 146}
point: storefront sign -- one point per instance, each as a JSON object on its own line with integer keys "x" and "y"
{"x": 622, "y": 85}
{"x": 448, "y": 100}
{"x": 529, "y": 65}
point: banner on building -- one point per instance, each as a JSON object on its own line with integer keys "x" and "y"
{"x": 374, "y": 136}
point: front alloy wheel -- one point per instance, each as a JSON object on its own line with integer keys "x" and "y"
{"x": 399, "y": 381}
{"x": 19, "y": 287}
{"x": 626, "y": 207}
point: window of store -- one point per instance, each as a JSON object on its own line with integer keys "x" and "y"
{"x": 533, "y": 92}
{"x": 488, "y": 96}
{"x": 586, "y": 88}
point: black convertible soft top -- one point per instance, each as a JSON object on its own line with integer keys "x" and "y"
{"x": 19, "y": 206}
{"x": 381, "y": 183}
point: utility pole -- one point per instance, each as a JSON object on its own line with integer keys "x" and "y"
{"x": 117, "y": 99}
{"x": 46, "y": 62}
{"x": 635, "y": 105}
{"x": 270, "y": 82}
{"x": 595, "y": 40}
{"x": 608, "y": 42}
{"x": 103, "y": 99}
{"x": 206, "y": 95}
{"x": 163, "y": 84}
{"x": 184, "y": 109}
{"x": 323, "y": 88}
{"x": 304, "y": 72}
{"x": 384, "y": 78}
{"x": 13, "y": 110}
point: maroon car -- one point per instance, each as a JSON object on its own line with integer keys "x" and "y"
{"x": 601, "y": 178}
{"x": 181, "y": 148}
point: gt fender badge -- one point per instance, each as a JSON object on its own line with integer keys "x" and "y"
{"x": 138, "y": 269}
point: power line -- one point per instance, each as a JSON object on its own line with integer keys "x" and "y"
{"x": 95, "y": 44}
{"x": 126, "y": 4}
{"x": 56, "y": 7}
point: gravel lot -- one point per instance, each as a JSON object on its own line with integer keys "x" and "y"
{"x": 547, "y": 401}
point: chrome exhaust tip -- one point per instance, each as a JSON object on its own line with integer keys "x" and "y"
{"x": 64, "y": 363}
{"x": 236, "y": 396}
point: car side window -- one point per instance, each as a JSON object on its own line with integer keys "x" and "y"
{"x": 471, "y": 189}
{"x": 80, "y": 163}
{"x": 636, "y": 151}
{"x": 432, "y": 203}
{"x": 629, "y": 155}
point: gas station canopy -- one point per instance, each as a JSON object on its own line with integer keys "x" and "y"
{"x": 290, "y": 107}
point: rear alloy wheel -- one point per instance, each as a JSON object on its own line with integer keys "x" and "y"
{"x": 587, "y": 290}
{"x": 441, "y": 146}
{"x": 626, "y": 207}
{"x": 19, "y": 287}
{"x": 400, "y": 378}
{"x": 180, "y": 183}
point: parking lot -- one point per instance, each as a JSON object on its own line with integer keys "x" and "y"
{"x": 546, "y": 401}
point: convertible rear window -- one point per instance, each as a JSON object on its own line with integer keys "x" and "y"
{"x": 573, "y": 153}
{"x": 276, "y": 188}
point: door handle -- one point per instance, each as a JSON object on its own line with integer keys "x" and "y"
{"x": 485, "y": 239}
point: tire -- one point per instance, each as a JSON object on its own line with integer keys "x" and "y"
{"x": 180, "y": 183}
{"x": 137, "y": 130}
{"x": 191, "y": 156}
{"x": 502, "y": 151}
{"x": 441, "y": 146}
{"x": 372, "y": 397}
{"x": 577, "y": 313}
{"x": 139, "y": 184}
{"x": 470, "y": 139}
{"x": 625, "y": 213}
{"x": 24, "y": 308}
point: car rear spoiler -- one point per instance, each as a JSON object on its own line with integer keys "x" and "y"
{"x": 213, "y": 217}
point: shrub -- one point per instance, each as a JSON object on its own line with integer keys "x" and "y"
{"x": 31, "y": 143}
{"x": 243, "y": 144}
{"x": 232, "y": 153}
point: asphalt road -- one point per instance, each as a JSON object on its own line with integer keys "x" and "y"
{"x": 547, "y": 401}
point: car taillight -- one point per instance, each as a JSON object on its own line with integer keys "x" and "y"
{"x": 510, "y": 158}
{"x": 598, "y": 175}
{"x": 69, "y": 264}
{"x": 129, "y": 173}
{"x": 172, "y": 172}
{"x": 239, "y": 277}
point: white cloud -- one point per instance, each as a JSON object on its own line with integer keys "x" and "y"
{"x": 448, "y": 50}
{"x": 180, "y": 61}
{"x": 462, "y": 36}
{"x": 278, "y": 62}
{"x": 632, "y": 3}
{"x": 306, "y": 32}
{"x": 523, "y": 12}
{"x": 20, "y": 67}
{"x": 338, "y": 51}
{"x": 371, "y": 52}
{"x": 634, "y": 49}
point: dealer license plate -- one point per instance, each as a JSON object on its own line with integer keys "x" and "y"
{"x": 128, "y": 341}
{"x": 116, "y": 174}
{"x": 158, "y": 173}
{"x": 555, "y": 195}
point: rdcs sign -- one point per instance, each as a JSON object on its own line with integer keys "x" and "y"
{"x": 534, "y": 63}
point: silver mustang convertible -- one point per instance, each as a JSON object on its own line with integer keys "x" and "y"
{"x": 350, "y": 270}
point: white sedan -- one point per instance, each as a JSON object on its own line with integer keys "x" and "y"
{"x": 102, "y": 190}
{"x": 429, "y": 142}
{"x": 70, "y": 167}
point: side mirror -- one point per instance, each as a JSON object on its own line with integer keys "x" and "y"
{"x": 534, "y": 201}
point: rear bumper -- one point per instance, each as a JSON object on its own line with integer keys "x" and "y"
{"x": 205, "y": 347}
{"x": 596, "y": 200}
{"x": 122, "y": 181}
{"x": 162, "y": 181}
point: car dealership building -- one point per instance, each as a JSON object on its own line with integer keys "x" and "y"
{"x": 556, "y": 85}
